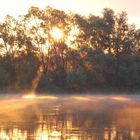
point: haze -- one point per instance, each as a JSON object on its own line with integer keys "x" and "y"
{"x": 16, "y": 7}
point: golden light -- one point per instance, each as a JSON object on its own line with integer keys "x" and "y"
{"x": 72, "y": 35}
{"x": 29, "y": 96}
{"x": 33, "y": 96}
{"x": 56, "y": 134}
{"x": 73, "y": 138}
{"x": 56, "y": 33}
{"x": 120, "y": 99}
{"x": 80, "y": 98}
{"x": 47, "y": 97}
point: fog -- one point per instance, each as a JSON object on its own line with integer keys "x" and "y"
{"x": 76, "y": 117}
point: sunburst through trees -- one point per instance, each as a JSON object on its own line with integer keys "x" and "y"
{"x": 73, "y": 51}
{"x": 57, "y": 33}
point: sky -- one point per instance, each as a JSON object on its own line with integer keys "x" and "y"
{"x": 84, "y": 7}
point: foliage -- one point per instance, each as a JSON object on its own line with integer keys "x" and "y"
{"x": 94, "y": 52}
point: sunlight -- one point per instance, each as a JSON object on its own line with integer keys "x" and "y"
{"x": 44, "y": 137}
{"x": 33, "y": 96}
{"x": 120, "y": 98}
{"x": 71, "y": 39}
{"x": 48, "y": 97}
{"x": 82, "y": 98}
{"x": 56, "y": 33}
{"x": 29, "y": 96}
{"x": 36, "y": 80}
{"x": 56, "y": 134}
{"x": 73, "y": 138}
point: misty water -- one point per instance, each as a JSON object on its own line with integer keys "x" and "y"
{"x": 97, "y": 117}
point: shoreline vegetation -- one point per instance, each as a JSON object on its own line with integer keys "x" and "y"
{"x": 48, "y": 50}
{"x": 58, "y": 91}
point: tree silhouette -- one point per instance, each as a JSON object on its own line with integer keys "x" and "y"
{"x": 93, "y": 52}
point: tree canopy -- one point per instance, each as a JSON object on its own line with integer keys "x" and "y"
{"x": 92, "y": 52}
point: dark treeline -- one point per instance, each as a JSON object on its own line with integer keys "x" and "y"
{"x": 94, "y": 52}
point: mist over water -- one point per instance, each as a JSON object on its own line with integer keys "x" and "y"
{"x": 70, "y": 117}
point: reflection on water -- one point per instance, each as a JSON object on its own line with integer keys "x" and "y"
{"x": 70, "y": 118}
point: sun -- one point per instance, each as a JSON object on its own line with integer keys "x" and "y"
{"x": 56, "y": 33}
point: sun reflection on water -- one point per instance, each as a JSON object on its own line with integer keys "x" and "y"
{"x": 42, "y": 133}
{"x": 80, "y": 98}
{"x": 120, "y": 98}
{"x": 40, "y": 117}
{"x": 14, "y": 134}
{"x": 29, "y": 96}
{"x": 33, "y": 96}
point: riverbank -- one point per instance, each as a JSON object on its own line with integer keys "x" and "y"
{"x": 63, "y": 91}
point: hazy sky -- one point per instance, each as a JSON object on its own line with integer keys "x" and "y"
{"x": 18, "y": 7}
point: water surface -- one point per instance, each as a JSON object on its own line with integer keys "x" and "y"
{"x": 70, "y": 117}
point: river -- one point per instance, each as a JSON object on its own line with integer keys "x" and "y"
{"x": 70, "y": 117}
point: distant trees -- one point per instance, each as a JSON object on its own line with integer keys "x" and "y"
{"x": 94, "y": 52}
